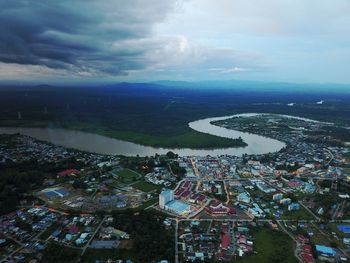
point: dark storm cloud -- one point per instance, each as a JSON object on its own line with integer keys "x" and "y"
{"x": 79, "y": 36}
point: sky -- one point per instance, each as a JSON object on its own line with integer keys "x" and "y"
{"x": 147, "y": 40}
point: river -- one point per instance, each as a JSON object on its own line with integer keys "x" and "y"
{"x": 91, "y": 142}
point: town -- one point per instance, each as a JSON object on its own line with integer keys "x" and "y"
{"x": 212, "y": 209}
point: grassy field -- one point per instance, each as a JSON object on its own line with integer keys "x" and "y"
{"x": 302, "y": 213}
{"x": 271, "y": 247}
{"x": 146, "y": 187}
{"x": 128, "y": 176}
{"x": 148, "y": 203}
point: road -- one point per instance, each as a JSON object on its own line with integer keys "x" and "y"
{"x": 297, "y": 245}
{"x": 92, "y": 236}
{"x": 307, "y": 209}
{"x": 176, "y": 240}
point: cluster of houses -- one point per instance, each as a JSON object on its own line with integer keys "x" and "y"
{"x": 75, "y": 230}
{"x": 24, "y": 224}
{"x": 108, "y": 237}
{"x": 220, "y": 241}
{"x": 268, "y": 201}
{"x": 28, "y": 148}
{"x": 22, "y": 227}
{"x": 305, "y": 249}
{"x": 160, "y": 176}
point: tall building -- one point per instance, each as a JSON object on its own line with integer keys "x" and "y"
{"x": 165, "y": 197}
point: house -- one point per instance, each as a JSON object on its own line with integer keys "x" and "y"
{"x": 285, "y": 201}
{"x": 307, "y": 257}
{"x": 302, "y": 239}
{"x": 277, "y": 197}
{"x": 244, "y": 198}
{"x": 68, "y": 172}
{"x": 225, "y": 241}
{"x": 293, "y": 206}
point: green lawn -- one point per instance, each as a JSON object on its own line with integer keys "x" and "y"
{"x": 271, "y": 247}
{"x": 299, "y": 214}
{"x": 146, "y": 187}
{"x": 128, "y": 176}
{"x": 148, "y": 203}
{"x": 319, "y": 239}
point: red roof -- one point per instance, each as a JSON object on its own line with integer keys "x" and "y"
{"x": 179, "y": 192}
{"x": 186, "y": 184}
{"x": 68, "y": 172}
{"x": 225, "y": 241}
{"x": 73, "y": 229}
{"x": 219, "y": 208}
{"x": 303, "y": 239}
{"x": 307, "y": 258}
{"x": 201, "y": 198}
{"x": 194, "y": 196}
{"x": 186, "y": 193}
{"x": 307, "y": 248}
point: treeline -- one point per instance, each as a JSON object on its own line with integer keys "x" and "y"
{"x": 151, "y": 241}
{"x": 18, "y": 179}
{"x": 15, "y": 182}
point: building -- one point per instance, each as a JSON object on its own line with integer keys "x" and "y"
{"x": 265, "y": 188}
{"x": 68, "y": 172}
{"x": 165, "y": 197}
{"x": 285, "y": 201}
{"x": 178, "y": 207}
{"x": 293, "y": 206}
{"x": 277, "y": 197}
{"x": 218, "y": 208}
{"x": 244, "y": 198}
{"x": 167, "y": 202}
{"x": 324, "y": 252}
{"x": 255, "y": 211}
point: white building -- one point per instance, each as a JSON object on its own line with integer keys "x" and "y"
{"x": 165, "y": 197}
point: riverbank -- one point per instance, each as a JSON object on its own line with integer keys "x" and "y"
{"x": 188, "y": 139}
{"x": 93, "y": 142}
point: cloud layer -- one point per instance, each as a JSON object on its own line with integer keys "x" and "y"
{"x": 289, "y": 40}
{"x": 78, "y": 36}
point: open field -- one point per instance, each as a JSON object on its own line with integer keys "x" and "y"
{"x": 146, "y": 187}
{"x": 271, "y": 247}
{"x": 128, "y": 176}
{"x": 300, "y": 214}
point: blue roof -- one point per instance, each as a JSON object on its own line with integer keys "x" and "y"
{"x": 50, "y": 194}
{"x": 344, "y": 228}
{"x": 178, "y": 206}
{"x": 56, "y": 192}
{"x": 62, "y": 192}
{"x": 56, "y": 233}
{"x": 325, "y": 250}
